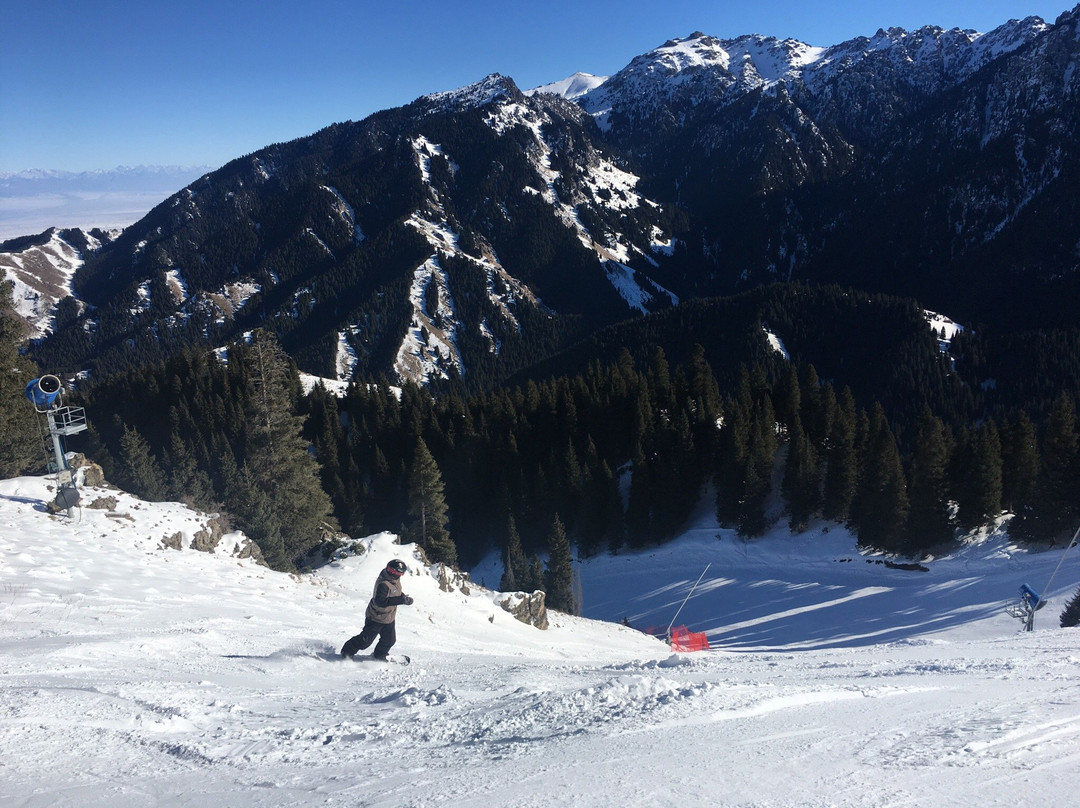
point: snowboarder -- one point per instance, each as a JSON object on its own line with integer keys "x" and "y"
{"x": 381, "y": 613}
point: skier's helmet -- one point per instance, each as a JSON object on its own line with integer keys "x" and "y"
{"x": 396, "y": 568}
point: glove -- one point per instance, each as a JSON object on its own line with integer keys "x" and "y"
{"x": 406, "y": 600}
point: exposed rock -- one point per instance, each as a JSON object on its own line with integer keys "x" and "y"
{"x": 92, "y": 475}
{"x": 209, "y": 537}
{"x": 451, "y": 579}
{"x": 173, "y": 542}
{"x": 528, "y": 608}
{"x": 104, "y": 503}
{"x": 249, "y": 549}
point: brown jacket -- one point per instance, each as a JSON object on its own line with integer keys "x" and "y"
{"x": 385, "y": 599}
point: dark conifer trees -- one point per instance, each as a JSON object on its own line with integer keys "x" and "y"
{"x": 279, "y": 500}
{"x": 427, "y": 508}
{"x": 1019, "y": 463}
{"x": 515, "y": 565}
{"x": 802, "y": 480}
{"x": 928, "y": 519}
{"x": 1053, "y": 506}
{"x": 979, "y": 488}
{"x": 880, "y": 509}
{"x": 20, "y": 433}
{"x": 559, "y": 575}
{"x": 139, "y": 470}
{"x": 1070, "y": 616}
{"x": 841, "y": 461}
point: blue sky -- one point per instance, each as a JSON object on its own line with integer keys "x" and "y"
{"x": 92, "y": 84}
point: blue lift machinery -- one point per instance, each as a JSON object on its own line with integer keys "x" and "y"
{"x": 46, "y": 394}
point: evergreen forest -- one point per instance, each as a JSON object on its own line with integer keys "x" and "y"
{"x": 609, "y": 453}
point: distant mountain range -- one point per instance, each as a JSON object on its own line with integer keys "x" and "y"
{"x": 472, "y": 233}
{"x": 35, "y": 200}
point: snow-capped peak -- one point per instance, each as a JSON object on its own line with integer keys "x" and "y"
{"x": 770, "y": 58}
{"x": 702, "y": 68}
{"x": 494, "y": 87}
{"x": 571, "y": 87}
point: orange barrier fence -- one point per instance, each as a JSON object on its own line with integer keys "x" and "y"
{"x": 683, "y": 640}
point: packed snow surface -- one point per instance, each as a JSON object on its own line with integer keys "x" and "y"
{"x": 136, "y": 675}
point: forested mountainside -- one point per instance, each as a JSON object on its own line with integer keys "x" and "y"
{"x": 713, "y": 272}
{"x": 474, "y": 232}
{"x": 615, "y": 450}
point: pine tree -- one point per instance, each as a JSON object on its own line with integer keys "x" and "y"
{"x": 185, "y": 481}
{"x": 427, "y": 508}
{"x": 559, "y": 575}
{"x": 818, "y": 406}
{"x": 761, "y": 454}
{"x": 281, "y": 500}
{"x": 515, "y": 565}
{"x": 731, "y": 463}
{"x": 534, "y": 580}
{"x": 928, "y": 517}
{"x": 1019, "y": 463}
{"x": 1052, "y": 508}
{"x": 841, "y": 461}
{"x": 802, "y": 480}
{"x": 1058, "y": 471}
{"x": 881, "y": 503}
{"x": 979, "y": 491}
{"x": 705, "y": 407}
{"x": 1070, "y": 616}
{"x": 140, "y": 472}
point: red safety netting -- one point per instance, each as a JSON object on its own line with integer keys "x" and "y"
{"x": 683, "y": 640}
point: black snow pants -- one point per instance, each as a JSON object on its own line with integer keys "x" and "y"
{"x": 386, "y": 632}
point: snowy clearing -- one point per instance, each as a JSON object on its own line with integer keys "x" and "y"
{"x": 138, "y": 675}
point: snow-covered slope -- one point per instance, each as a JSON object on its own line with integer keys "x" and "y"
{"x": 136, "y": 675}
{"x": 571, "y": 87}
{"x": 40, "y": 273}
{"x": 706, "y": 70}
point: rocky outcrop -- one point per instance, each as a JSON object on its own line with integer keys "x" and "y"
{"x": 207, "y": 539}
{"x": 451, "y": 579}
{"x": 528, "y": 608}
{"x": 92, "y": 474}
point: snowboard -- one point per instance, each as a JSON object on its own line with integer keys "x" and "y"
{"x": 393, "y": 659}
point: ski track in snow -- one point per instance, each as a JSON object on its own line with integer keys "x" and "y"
{"x": 135, "y": 675}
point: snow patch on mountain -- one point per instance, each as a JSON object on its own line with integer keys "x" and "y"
{"x": 345, "y": 358}
{"x": 174, "y": 280}
{"x": 571, "y": 87}
{"x": 638, "y": 290}
{"x": 715, "y": 71}
{"x": 775, "y": 343}
{"x": 602, "y": 184}
{"x": 220, "y": 305}
{"x": 41, "y": 275}
{"x": 429, "y": 349}
{"x": 488, "y": 90}
{"x": 346, "y": 212}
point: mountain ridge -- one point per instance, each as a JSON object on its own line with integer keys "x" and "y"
{"x": 473, "y": 231}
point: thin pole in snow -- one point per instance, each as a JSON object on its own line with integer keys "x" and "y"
{"x": 1046, "y": 589}
{"x": 688, "y": 594}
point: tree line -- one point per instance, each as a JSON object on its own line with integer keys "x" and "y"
{"x": 616, "y": 455}
{"x": 614, "y": 458}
